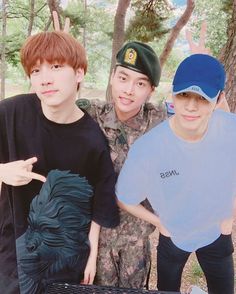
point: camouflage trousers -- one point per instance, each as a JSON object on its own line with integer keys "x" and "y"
{"x": 124, "y": 254}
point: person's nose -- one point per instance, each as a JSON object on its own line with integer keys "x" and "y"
{"x": 46, "y": 77}
{"x": 129, "y": 88}
{"x": 191, "y": 104}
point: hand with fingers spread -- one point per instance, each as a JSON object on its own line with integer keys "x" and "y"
{"x": 57, "y": 24}
{"x": 199, "y": 47}
{"x": 19, "y": 173}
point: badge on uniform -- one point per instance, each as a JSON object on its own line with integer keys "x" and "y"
{"x": 130, "y": 56}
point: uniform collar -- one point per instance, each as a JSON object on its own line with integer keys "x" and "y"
{"x": 110, "y": 119}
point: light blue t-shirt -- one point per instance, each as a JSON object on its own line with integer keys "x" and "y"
{"x": 191, "y": 185}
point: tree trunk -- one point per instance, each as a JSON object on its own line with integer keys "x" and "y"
{"x": 84, "y": 28}
{"x": 3, "y": 48}
{"x": 228, "y": 58}
{"x": 176, "y": 30}
{"x": 31, "y": 17}
{"x": 54, "y": 5}
{"x": 118, "y": 37}
{"x": 84, "y": 43}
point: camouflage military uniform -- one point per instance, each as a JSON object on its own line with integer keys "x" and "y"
{"x": 124, "y": 255}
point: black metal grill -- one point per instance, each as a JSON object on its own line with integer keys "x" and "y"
{"x": 57, "y": 288}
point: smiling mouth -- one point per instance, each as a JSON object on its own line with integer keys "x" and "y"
{"x": 190, "y": 117}
{"x": 125, "y": 101}
{"x": 49, "y": 92}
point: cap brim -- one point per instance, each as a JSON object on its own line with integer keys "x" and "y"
{"x": 209, "y": 93}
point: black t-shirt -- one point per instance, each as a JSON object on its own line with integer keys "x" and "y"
{"x": 79, "y": 147}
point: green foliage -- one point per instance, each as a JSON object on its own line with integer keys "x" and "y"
{"x": 227, "y": 6}
{"x": 13, "y": 45}
{"x": 148, "y": 22}
{"x": 96, "y": 23}
{"x": 217, "y": 16}
{"x": 94, "y": 27}
{"x": 196, "y": 273}
{"x": 18, "y": 12}
{"x": 77, "y": 16}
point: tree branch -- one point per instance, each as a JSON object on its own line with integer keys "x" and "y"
{"x": 176, "y": 30}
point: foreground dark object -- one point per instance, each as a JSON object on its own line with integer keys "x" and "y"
{"x": 57, "y": 288}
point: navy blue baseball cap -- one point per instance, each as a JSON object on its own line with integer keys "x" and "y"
{"x": 201, "y": 74}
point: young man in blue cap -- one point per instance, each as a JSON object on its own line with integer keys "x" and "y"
{"x": 191, "y": 184}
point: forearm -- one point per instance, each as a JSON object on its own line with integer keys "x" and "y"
{"x": 141, "y": 212}
{"x": 90, "y": 269}
{"x": 93, "y": 238}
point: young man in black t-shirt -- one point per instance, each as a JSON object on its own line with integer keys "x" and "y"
{"x": 46, "y": 131}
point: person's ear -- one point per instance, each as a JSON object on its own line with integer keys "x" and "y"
{"x": 112, "y": 76}
{"x": 151, "y": 93}
{"x": 221, "y": 97}
{"x": 222, "y": 102}
{"x": 153, "y": 90}
{"x": 80, "y": 74}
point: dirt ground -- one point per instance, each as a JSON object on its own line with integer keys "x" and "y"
{"x": 192, "y": 274}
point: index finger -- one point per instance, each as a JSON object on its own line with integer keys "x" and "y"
{"x": 188, "y": 35}
{"x": 203, "y": 31}
{"x": 55, "y": 21}
{"x": 67, "y": 25}
{"x": 189, "y": 38}
{"x": 30, "y": 161}
{"x": 35, "y": 176}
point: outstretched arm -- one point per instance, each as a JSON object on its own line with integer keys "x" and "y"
{"x": 141, "y": 212}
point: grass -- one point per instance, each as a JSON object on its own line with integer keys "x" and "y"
{"x": 196, "y": 273}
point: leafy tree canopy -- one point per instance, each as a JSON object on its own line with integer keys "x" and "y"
{"x": 149, "y": 19}
{"x": 217, "y": 14}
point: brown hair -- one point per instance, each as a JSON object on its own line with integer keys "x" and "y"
{"x": 51, "y": 47}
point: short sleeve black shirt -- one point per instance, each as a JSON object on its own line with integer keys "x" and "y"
{"x": 79, "y": 147}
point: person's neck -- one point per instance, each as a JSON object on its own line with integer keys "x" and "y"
{"x": 62, "y": 115}
{"x": 124, "y": 116}
{"x": 187, "y": 135}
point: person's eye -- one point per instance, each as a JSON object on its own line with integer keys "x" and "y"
{"x": 122, "y": 78}
{"x": 56, "y": 66}
{"x": 183, "y": 95}
{"x": 141, "y": 84}
{"x": 201, "y": 98}
{"x": 34, "y": 71}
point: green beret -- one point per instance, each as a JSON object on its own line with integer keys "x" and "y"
{"x": 142, "y": 58}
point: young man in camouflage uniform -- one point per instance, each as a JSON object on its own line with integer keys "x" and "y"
{"x": 124, "y": 258}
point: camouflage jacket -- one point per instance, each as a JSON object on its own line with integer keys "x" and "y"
{"x": 121, "y": 135}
